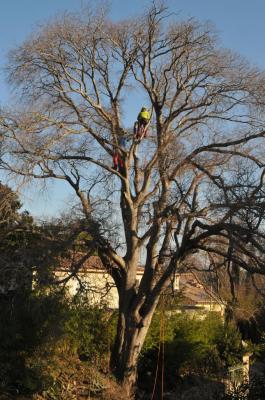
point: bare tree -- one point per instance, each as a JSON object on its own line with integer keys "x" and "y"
{"x": 9, "y": 205}
{"x": 181, "y": 191}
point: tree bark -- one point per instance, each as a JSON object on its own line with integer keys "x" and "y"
{"x": 131, "y": 333}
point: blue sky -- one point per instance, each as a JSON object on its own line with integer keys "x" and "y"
{"x": 239, "y": 23}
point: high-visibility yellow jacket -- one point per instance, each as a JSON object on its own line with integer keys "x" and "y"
{"x": 144, "y": 115}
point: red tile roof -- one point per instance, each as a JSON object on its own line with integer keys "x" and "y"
{"x": 194, "y": 292}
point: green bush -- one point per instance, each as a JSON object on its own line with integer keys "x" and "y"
{"x": 40, "y": 329}
{"x": 88, "y": 331}
{"x": 188, "y": 345}
{"x": 29, "y": 320}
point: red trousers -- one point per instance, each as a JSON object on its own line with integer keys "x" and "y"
{"x": 117, "y": 161}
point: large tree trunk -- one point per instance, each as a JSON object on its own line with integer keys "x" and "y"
{"x": 131, "y": 333}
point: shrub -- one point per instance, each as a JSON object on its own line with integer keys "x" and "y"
{"x": 42, "y": 328}
{"x": 88, "y": 331}
{"x": 29, "y": 320}
{"x": 190, "y": 345}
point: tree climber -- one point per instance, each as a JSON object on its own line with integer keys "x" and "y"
{"x": 142, "y": 123}
{"x": 118, "y": 161}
